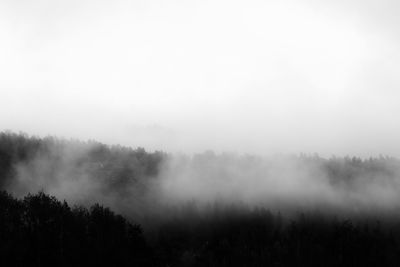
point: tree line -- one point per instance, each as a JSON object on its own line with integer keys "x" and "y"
{"x": 40, "y": 230}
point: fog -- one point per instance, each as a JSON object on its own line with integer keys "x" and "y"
{"x": 256, "y": 82}
{"x": 258, "y": 77}
{"x": 200, "y": 132}
{"x": 280, "y": 182}
{"x": 151, "y": 187}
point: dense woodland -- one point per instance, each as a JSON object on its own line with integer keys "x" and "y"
{"x": 37, "y": 229}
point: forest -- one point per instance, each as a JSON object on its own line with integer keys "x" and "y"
{"x": 83, "y": 203}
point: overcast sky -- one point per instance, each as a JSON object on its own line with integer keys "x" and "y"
{"x": 246, "y": 76}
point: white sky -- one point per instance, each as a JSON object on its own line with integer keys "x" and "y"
{"x": 246, "y": 76}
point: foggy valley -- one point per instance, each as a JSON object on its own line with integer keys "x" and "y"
{"x": 199, "y": 133}
{"x": 191, "y": 196}
{"x": 129, "y": 179}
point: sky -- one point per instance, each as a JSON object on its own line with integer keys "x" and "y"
{"x": 259, "y": 77}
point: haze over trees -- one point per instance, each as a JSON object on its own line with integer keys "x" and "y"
{"x": 202, "y": 210}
